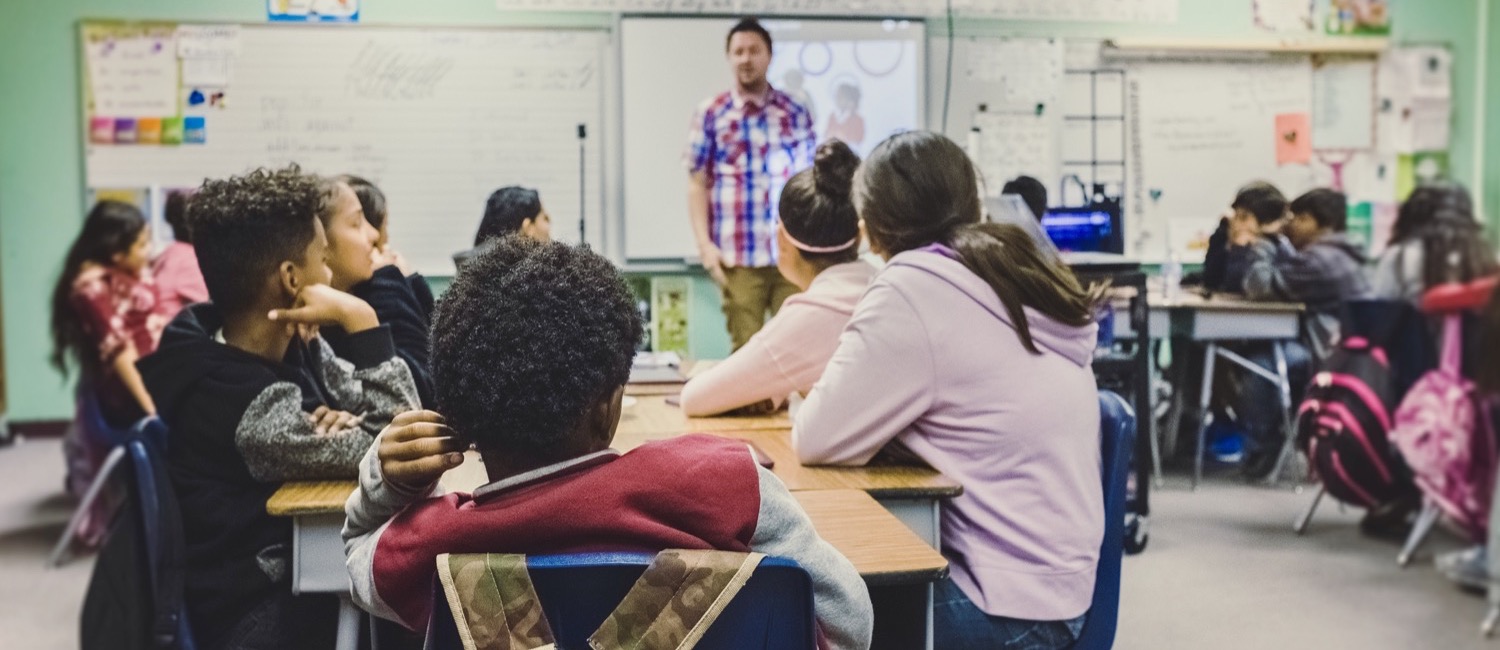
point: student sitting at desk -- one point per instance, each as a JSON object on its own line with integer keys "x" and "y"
{"x": 972, "y": 351}
{"x": 231, "y": 378}
{"x": 376, "y": 211}
{"x": 1311, "y": 261}
{"x": 1435, "y": 239}
{"x": 819, "y": 246}
{"x": 1257, "y": 205}
{"x": 376, "y": 274}
{"x": 178, "y": 280}
{"x": 538, "y": 392}
{"x": 1305, "y": 258}
{"x": 509, "y": 210}
{"x": 1032, "y": 191}
{"x": 105, "y": 315}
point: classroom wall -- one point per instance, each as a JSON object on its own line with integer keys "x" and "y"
{"x": 1491, "y": 187}
{"x": 41, "y": 198}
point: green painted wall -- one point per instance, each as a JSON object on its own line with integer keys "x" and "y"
{"x": 41, "y": 200}
{"x": 1491, "y": 188}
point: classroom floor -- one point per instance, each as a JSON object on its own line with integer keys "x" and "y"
{"x": 1223, "y": 570}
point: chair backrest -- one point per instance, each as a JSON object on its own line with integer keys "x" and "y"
{"x": 161, "y": 528}
{"x": 578, "y": 591}
{"x": 1116, "y": 440}
{"x": 1396, "y": 327}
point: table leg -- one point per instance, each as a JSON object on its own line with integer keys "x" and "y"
{"x": 930, "y": 590}
{"x": 1288, "y": 446}
{"x": 348, "y": 635}
{"x": 1205, "y": 396}
{"x": 903, "y": 616}
{"x": 1151, "y": 381}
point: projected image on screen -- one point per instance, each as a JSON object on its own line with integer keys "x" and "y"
{"x": 859, "y": 91}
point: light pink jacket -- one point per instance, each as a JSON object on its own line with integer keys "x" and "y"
{"x": 932, "y": 360}
{"x": 178, "y": 279}
{"x": 789, "y": 353}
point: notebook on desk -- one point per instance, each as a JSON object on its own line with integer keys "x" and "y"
{"x": 656, "y": 368}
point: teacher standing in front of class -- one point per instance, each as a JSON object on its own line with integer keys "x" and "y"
{"x": 743, "y": 146}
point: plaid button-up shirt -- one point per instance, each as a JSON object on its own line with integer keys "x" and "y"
{"x": 749, "y": 148}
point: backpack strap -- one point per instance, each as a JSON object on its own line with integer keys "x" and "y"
{"x": 676, "y": 600}
{"x": 493, "y": 601}
{"x": 1453, "y": 343}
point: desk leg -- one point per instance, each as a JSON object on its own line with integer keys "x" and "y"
{"x": 930, "y": 590}
{"x": 348, "y": 635}
{"x": 1205, "y": 396}
{"x": 903, "y": 617}
{"x": 1284, "y": 382}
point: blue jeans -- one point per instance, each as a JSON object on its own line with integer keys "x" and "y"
{"x": 958, "y": 624}
{"x": 1258, "y": 405}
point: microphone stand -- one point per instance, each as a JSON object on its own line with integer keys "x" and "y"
{"x": 583, "y": 135}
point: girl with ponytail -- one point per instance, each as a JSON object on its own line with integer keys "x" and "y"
{"x": 819, "y": 252}
{"x": 972, "y": 350}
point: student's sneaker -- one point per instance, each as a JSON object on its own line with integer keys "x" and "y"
{"x": 1470, "y": 568}
{"x": 1228, "y": 447}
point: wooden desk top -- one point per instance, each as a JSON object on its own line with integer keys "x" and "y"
{"x": 653, "y": 415}
{"x": 1189, "y": 299}
{"x": 880, "y": 481}
{"x": 882, "y": 549}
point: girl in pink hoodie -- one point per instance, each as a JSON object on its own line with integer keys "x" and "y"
{"x": 819, "y": 252}
{"x": 972, "y": 351}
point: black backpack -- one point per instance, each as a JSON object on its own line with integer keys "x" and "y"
{"x": 1344, "y": 423}
{"x": 134, "y": 597}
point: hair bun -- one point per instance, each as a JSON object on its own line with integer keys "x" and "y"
{"x": 833, "y": 169}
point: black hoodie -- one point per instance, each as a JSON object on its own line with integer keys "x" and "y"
{"x": 405, "y": 305}
{"x": 237, "y": 429}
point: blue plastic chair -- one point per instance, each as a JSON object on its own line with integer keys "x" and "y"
{"x": 1117, "y": 440}
{"x": 91, "y": 430}
{"x": 160, "y": 526}
{"x": 773, "y": 610}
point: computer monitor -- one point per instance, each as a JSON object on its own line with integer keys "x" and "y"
{"x": 1093, "y": 229}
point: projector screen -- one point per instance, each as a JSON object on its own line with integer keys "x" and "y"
{"x": 863, "y": 80}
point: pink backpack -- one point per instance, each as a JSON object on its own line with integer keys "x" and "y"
{"x": 1444, "y": 433}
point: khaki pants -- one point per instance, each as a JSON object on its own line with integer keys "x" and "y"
{"x": 749, "y": 293}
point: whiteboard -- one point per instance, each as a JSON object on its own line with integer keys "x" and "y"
{"x": 1198, "y": 132}
{"x": 666, "y": 84}
{"x": 438, "y": 118}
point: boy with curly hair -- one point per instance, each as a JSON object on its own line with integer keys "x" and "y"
{"x": 234, "y": 380}
{"x": 531, "y": 348}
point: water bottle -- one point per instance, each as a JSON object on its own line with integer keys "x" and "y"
{"x": 1171, "y": 276}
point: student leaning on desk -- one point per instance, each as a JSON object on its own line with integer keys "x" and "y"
{"x": 231, "y": 379}
{"x": 532, "y": 347}
{"x": 972, "y": 350}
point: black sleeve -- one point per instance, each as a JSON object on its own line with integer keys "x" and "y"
{"x": 390, "y": 294}
{"x": 1216, "y": 260}
{"x": 423, "y": 292}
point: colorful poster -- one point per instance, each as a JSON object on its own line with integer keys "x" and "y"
{"x": 1293, "y": 139}
{"x": 132, "y": 71}
{"x": 1359, "y": 17}
{"x": 671, "y": 298}
{"x": 312, "y": 11}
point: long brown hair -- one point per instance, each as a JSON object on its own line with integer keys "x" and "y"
{"x": 112, "y": 227}
{"x": 919, "y": 188}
